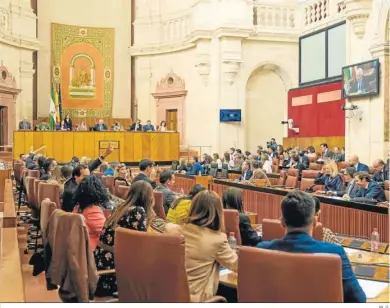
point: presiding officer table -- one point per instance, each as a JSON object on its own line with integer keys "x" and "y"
{"x": 129, "y": 147}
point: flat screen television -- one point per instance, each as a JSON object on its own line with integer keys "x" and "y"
{"x": 230, "y": 115}
{"x": 361, "y": 79}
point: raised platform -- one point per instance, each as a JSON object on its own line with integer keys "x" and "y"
{"x": 129, "y": 147}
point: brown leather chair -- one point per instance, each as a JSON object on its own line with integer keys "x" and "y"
{"x": 312, "y": 159}
{"x": 342, "y": 165}
{"x": 292, "y": 178}
{"x": 151, "y": 276}
{"x": 33, "y": 173}
{"x": 47, "y": 208}
{"x": 387, "y": 184}
{"x": 118, "y": 183}
{"x": 315, "y": 166}
{"x": 272, "y": 229}
{"x": 50, "y": 191}
{"x": 108, "y": 181}
{"x": 282, "y": 178}
{"x": 158, "y": 204}
{"x": 232, "y": 224}
{"x": 275, "y": 165}
{"x": 123, "y": 191}
{"x": 269, "y": 276}
{"x": 17, "y": 171}
{"x": 36, "y": 192}
{"x": 308, "y": 177}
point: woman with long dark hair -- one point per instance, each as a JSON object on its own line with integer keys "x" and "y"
{"x": 232, "y": 200}
{"x": 136, "y": 214}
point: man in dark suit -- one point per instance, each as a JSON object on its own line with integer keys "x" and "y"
{"x": 167, "y": 178}
{"x": 325, "y": 151}
{"x": 100, "y": 126}
{"x": 246, "y": 171}
{"x": 136, "y": 127}
{"x": 78, "y": 173}
{"x": 298, "y": 218}
{"x": 351, "y": 188}
{"x": 25, "y": 124}
{"x": 368, "y": 190}
{"x": 381, "y": 172}
{"x": 359, "y": 167}
{"x": 146, "y": 167}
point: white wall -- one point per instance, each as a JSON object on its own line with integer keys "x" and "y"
{"x": 94, "y": 13}
{"x": 266, "y": 98}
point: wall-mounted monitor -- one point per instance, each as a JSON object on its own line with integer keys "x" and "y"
{"x": 361, "y": 79}
{"x": 230, "y": 115}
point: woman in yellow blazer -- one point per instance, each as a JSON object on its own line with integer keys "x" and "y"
{"x": 178, "y": 213}
{"x": 206, "y": 245}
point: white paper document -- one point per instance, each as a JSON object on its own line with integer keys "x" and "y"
{"x": 350, "y": 251}
{"x": 372, "y": 288}
{"x": 225, "y": 271}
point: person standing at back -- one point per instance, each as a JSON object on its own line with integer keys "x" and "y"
{"x": 146, "y": 167}
{"x": 298, "y": 218}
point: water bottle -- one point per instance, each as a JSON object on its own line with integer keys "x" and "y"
{"x": 375, "y": 240}
{"x": 200, "y": 173}
{"x": 232, "y": 241}
{"x": 181, "y": 192}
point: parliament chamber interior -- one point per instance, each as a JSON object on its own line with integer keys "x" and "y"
{"x": 157, "y": 152}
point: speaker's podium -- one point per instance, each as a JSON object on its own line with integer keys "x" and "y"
{"x": 129, "y": 147}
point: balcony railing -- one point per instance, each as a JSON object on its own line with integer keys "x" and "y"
{"x": 319, "y": 12}
{"x": 266, "y": 16}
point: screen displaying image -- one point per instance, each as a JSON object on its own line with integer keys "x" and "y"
{"x": 361, "y": 79}
{"x": 230, "y": 115}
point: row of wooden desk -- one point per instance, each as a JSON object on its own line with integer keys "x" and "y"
{"x": 341, "y": 216}
{"x": 128, "y": 146}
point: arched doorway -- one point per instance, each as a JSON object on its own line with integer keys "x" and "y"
{"x": 266, "y": 105}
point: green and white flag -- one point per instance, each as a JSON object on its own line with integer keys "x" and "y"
{"x": 52, "y": 111}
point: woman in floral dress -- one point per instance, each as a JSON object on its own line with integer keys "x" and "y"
{"x": 135, "y": 214}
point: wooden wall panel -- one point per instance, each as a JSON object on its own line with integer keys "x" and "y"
{"x": 132, "y": 146}
{"x": 304, "y": 143}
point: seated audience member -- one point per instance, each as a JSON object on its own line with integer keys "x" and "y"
{"x": 110, "y": 171}
{"x": 337, "y": 155}
{"x": 327, "y": 234}
{"x": 354, "y": 162}
{"x": 146, "y": 167}
{"x": 183, "y": 166}
{"x": 136, "y": 127}
{"x": 217, "y": 161}
{"x": 248, "y": 154}
{"x": 79, "y": 172}
{"x": 136, "y": 214}
{"x": 246, "y": 171}
{"x": 100, "y": 126}
{"x": 25, "y": 124}
{"x": 82, "y": 127}
{"x": 206, "y": 246}
{"x": 329, "y": 176}
{"x": 91, "y": 195}
{"x": 298, "y": 218}
{"x": 75, "y": 161}
{"x": 231, "y": 153}
{"x": 121, "y": 174}
{"x": 178, "y": 212}
{"x": 203, "y": 162}
{"x": 36, "y": 163}
{"x": 163, "y": 126}
{"x": 288, "y": 158}
{"x": 103, "y": 167}
{"x": 258, "y": 173}
{"x": 311, "y": 153}
{"x": 117, "y": 127}
{"x": 325, "y": 151}
{"x": 303, "y": 160}
{"x": 228, "y": 160}
{"x": 43, "y": 126}
{"x": 149, "y": 127}
{"x": 238, "y": 151}
{"x": 49, "y": 166}
{"x": 197, "y": 168}
{"x": 279, "y": 152}
{"x": 381, "y": 172}
{"x": 232, "y": 200}
{"x": 62, "y": 126}
{"x": 238, "y": 161}
{"x": 351, "y": 187}
{"x": 369, "y": 190}
{"x": 267, "y": 163}
{"x": 68, "y": 123}
{"x": 294, "y": 161}
{"x": 167, "y": 178}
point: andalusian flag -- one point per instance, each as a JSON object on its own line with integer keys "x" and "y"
{"x": 52, "y": 110}
{"x": 60, "y": 103}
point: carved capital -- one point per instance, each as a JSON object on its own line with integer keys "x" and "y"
{"x": 230, "y": 70}
{"x": 357, "y": 12}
